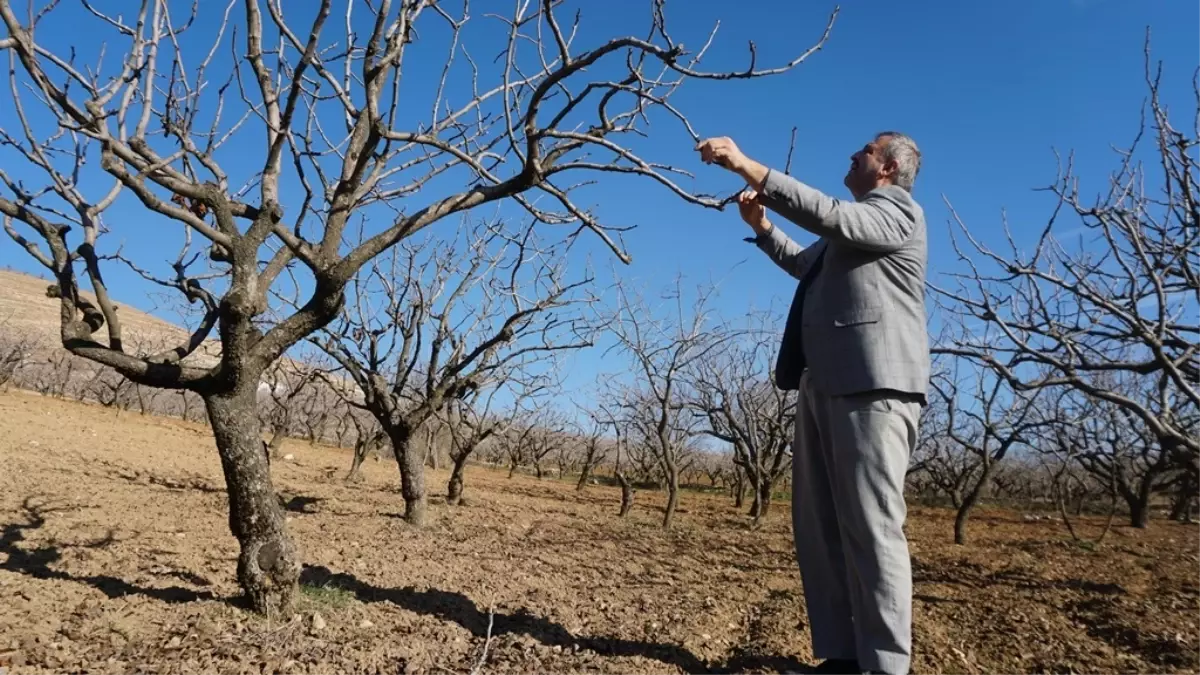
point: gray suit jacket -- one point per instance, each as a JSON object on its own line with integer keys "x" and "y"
{"x": 860, "y": 323}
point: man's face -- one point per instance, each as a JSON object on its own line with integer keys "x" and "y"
{"x": 867, "y": 169}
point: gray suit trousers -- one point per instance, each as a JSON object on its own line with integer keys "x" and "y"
{"x": 849, "y": 461}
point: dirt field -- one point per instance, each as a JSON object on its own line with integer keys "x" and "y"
{"x": 115, "y": 556}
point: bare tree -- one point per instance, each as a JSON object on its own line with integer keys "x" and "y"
{"x": 983, "y": 424}
{"x": 608, "y": 412}
{"x": 547, "y": 437}
{"x": 663, "y": 343}
{"x": 319, "y": 404}
{"x": 190, "y": 406}
{"x": 1107, "y": 308}
{"x": 427, "y": 324}
{"x": 317, "y": 109}
{"x": 735, "y": 392}
{"x": 55, "y": 376}
{"x": 369, "y": 437}
{"x": 1113, "y": 444}
{"x": 1073, "y": 422}
{"x": 532, "y": 436}
{"x": 595, "y": 451}
{"x": 516, "y": 440}
{"x": 568, "y": 455}
{"x": 1063, "y": 482}
{"x": 474, "y": 422}
{"x": 111, "y": 389}
{"x": 15, "y": 352}
{"x": 285, "y": 381}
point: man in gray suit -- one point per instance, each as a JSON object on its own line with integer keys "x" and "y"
{"x": 855, "y": 346}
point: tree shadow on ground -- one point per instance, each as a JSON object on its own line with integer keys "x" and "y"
{"x": 458, "y": 608}
{"x": 301, "y": 504}
{"x": 973, "y": 575}
{"x": 35, "y": 562}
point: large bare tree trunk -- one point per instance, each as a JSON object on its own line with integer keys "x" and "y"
{"x": 1139, "y": 508}
{"x": 412, "y": 476}
{"x": 970, "y": 499}
{"x": 268, "y": 565}
{"x": 1137, "y": 497}
{"x": 762, "y": 498}
{"x": 454, "y": 489}
{"x": 964, "y": 513}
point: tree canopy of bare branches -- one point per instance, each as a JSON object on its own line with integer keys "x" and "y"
{"x": 1112, "y": 444}
{"x": 259, "y": 135}
{"x": 1112, "y": 312}
{"x": 430, "y": 322}
{"x": 734, "y": 390}
{"x": 475, "y": 419}
{"x": 985, "y": 420}
{"x": 663, "y": 343}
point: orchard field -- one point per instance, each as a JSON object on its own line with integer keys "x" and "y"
{"x": 115, "y": 556}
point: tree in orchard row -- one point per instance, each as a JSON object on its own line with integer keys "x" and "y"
{"x": 429, "y": 323}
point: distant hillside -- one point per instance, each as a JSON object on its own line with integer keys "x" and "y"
{"x": 26, "y": 311}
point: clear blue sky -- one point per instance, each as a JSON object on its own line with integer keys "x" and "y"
{"x": 988, "y": 90}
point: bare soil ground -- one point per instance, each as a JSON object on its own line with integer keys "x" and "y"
{"x": 115, "y": 556}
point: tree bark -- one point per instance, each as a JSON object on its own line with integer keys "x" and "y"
{"x": 626, "y": 494}
{"x": 454, "y": 489}
{"x": 277, "y": 437}
{"x": 672, "y": 500}
{"x": 960, "y": 521}
{"x": 268, "y": 564}
{"x": 969, "y": 501}
{"x": 584, "y": 475}
{"x": 762, "y": 498}
{"x": 361, "y": 447}
{"x": 1181, "y": 506}
{"x": 431, "y": 452}
{"x": 412, "y": 475}
{"x": 1139, "y": 510}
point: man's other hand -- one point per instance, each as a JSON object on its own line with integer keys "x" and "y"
{"x": 723, "y": 152}
{"x": 753, "y": 212}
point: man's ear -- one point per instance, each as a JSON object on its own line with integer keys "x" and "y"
{"x": 889, "y": 169}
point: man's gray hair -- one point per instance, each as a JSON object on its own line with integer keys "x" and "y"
{"x": 904, "y": 151}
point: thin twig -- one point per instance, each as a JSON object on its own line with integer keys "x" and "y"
{"x": 486, "y": 644}
{"x": 787, "y": 167}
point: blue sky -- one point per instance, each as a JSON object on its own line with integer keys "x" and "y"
{"x": 988, "y": 90}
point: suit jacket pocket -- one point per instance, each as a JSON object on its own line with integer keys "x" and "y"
{"x": 855, "y": 317}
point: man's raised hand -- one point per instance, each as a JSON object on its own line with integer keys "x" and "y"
{"x": 753, "y": 212}
{"x": 721, "y": 151}
{"x": 724, "y": 152}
